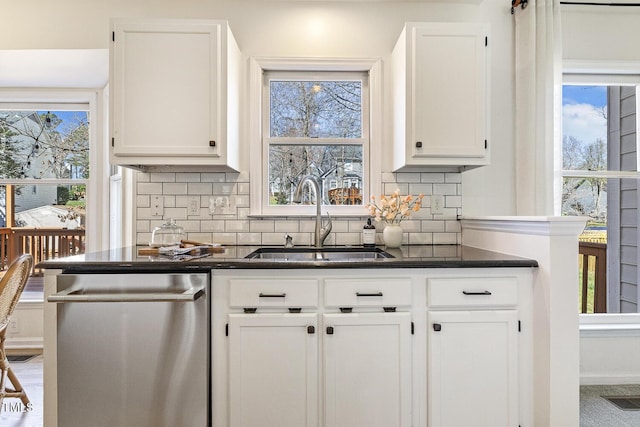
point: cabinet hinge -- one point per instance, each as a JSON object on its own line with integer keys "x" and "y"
{"x": 113, "y": 142}
{"x": 486, "y": 41}
{"x": 413, "y": 328}
{"x": 113, "y": 36}
{"x": 226, "y": 330}
{"x": 486, "y": 144}
{"x": 519, "y": 326}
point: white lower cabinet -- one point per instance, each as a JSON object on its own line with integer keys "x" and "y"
{"x": 273, "y": 370}
{"x": 367, "y": 359}
{"x": 472, "y": 368}
{"x": 372, "y": 348}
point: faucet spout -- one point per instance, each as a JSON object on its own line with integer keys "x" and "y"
{"x": 321, "y": 232}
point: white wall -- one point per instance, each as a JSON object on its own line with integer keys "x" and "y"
{"x": 310, "y": 29}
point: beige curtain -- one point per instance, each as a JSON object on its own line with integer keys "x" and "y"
{"x": 538, "y": 71}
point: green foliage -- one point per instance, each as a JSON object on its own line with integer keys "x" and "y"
{"x": 63, "y": 195}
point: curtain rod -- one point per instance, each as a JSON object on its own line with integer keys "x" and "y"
{"x": 523, "y": 4}
{"x": 583, "y": 3}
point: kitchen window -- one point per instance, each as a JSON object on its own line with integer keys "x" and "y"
{"x": 315, "y": 119}
{"x": 600, "y": 181}
{"x": 44, "y": 172}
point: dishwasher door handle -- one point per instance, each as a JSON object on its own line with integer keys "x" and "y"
{"x": 73, "y": 294}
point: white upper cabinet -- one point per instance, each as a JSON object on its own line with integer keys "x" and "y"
{"x": 440, "y": 96}
{"x": 174, "y": 93}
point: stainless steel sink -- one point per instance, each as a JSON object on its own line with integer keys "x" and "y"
{"x": 319, "y": 254}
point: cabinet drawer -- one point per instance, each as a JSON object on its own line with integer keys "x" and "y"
{"x": 368, "y": 292}
{"x": 285, "y": 293}
{"x": 470, "y": 291}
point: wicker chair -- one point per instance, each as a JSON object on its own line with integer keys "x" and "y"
{"x": 11, "y": 286}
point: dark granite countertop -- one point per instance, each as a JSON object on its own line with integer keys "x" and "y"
{"x": 126, "y": 260}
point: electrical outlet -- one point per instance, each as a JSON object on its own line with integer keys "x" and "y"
{"x": 194, "y": 205}
{"x": 437, "y": 204}
{"x": 14, "y": 326}
{"x": 218, "y": 204}
{"x": 157, "y": 205}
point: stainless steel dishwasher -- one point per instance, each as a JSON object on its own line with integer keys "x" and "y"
{"x": 133, "y": 350}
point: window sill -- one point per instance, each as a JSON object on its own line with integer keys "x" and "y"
{"x": 610, "y": 325}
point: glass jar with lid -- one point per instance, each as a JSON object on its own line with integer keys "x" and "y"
{"x": 168, "y": 234}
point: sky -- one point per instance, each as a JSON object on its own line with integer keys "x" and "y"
{"x": 582, "y": 115}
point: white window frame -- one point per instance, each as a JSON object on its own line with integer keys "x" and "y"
{"x": 371, "y": 152}
{"x": 613, "y": 74}
{"x": 97, "y": 192}
{"x": 597, "y": 74}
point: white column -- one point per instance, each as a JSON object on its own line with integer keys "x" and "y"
{"x": 553, "y": 242}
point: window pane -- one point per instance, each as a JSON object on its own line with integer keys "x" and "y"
{"x": 585, "y": 197}
{"x": 316, "y": 109}
{"x": 45, "y": 206}
{"x": 338, "y": 169}
{"x": 44, "y": 144}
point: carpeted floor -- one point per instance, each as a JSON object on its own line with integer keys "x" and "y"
{"x": 595, "y": 411}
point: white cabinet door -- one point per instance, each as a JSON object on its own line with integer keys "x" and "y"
{"x": 367, "y": 370}
{"x": 441, "y": 68}
{"x": 168, "y": 91}
{"x": 473, "y": 368}
{"x": 273, "y": 370}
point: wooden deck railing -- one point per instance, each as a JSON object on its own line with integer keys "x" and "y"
{"x": 42, "y": 243}
{"x": 593, "y": 258}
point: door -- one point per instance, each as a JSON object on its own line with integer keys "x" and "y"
{"x": 273, "y": 370}
{"x": 448, "y": 77}
{"x": 367, "y": 370}
{"x": 472, "y": 369}
{"x": 166, "y": 78}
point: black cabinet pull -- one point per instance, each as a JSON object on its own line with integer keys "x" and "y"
{"x": 437, "y": 327}
{"x": 311, "y": 329}
{"x": 389, "y": 309}
{"x": 212, "y": 143}
{"x": 295, "y": 310}
{"x": 364, "y": 294}
{"x": 282, "y": 295}
{"x": 346, "y": 309}
{"x": 329, "y": 330}
{"x": 419, "y": 144}
{"x": 476, "y": 293}
{"x": 250, "y": 310}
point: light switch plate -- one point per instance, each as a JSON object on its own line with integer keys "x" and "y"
{"x": 437, "y": 204}
{"x": 157, "y": 205}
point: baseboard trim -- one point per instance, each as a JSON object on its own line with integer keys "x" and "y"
{"x": 24, "y": 343}
{"x": 609, "y": 379}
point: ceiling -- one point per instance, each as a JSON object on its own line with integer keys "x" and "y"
{"x": 54, "y": 68}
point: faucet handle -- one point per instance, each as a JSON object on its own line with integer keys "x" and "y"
{"x": 325, "y": 229}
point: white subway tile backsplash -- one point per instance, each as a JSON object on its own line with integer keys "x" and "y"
{"x": 143, "y": 201}
{"x": 433, "y": 177}
{"x": 213, "y": 177}
{"x": 286, "y": 226}
{"x": 196, "y": 188}
{"x": 188, "y": 177}
{"x": 262, "y": 226}
{"x": 433, "y": 226}
{"x": 175, "y": 188}
{"x": 230, "y": 223}
{"x": 453, "y": 178}
{"x": 249, "y": 239}
{"x": 445, "y": 189}
{"x": 408, "y": 177}
{"x": 149, "y": 188}
{"x": 162, "y": 177}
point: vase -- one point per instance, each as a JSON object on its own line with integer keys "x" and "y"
{"x": 392, "y": 235}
